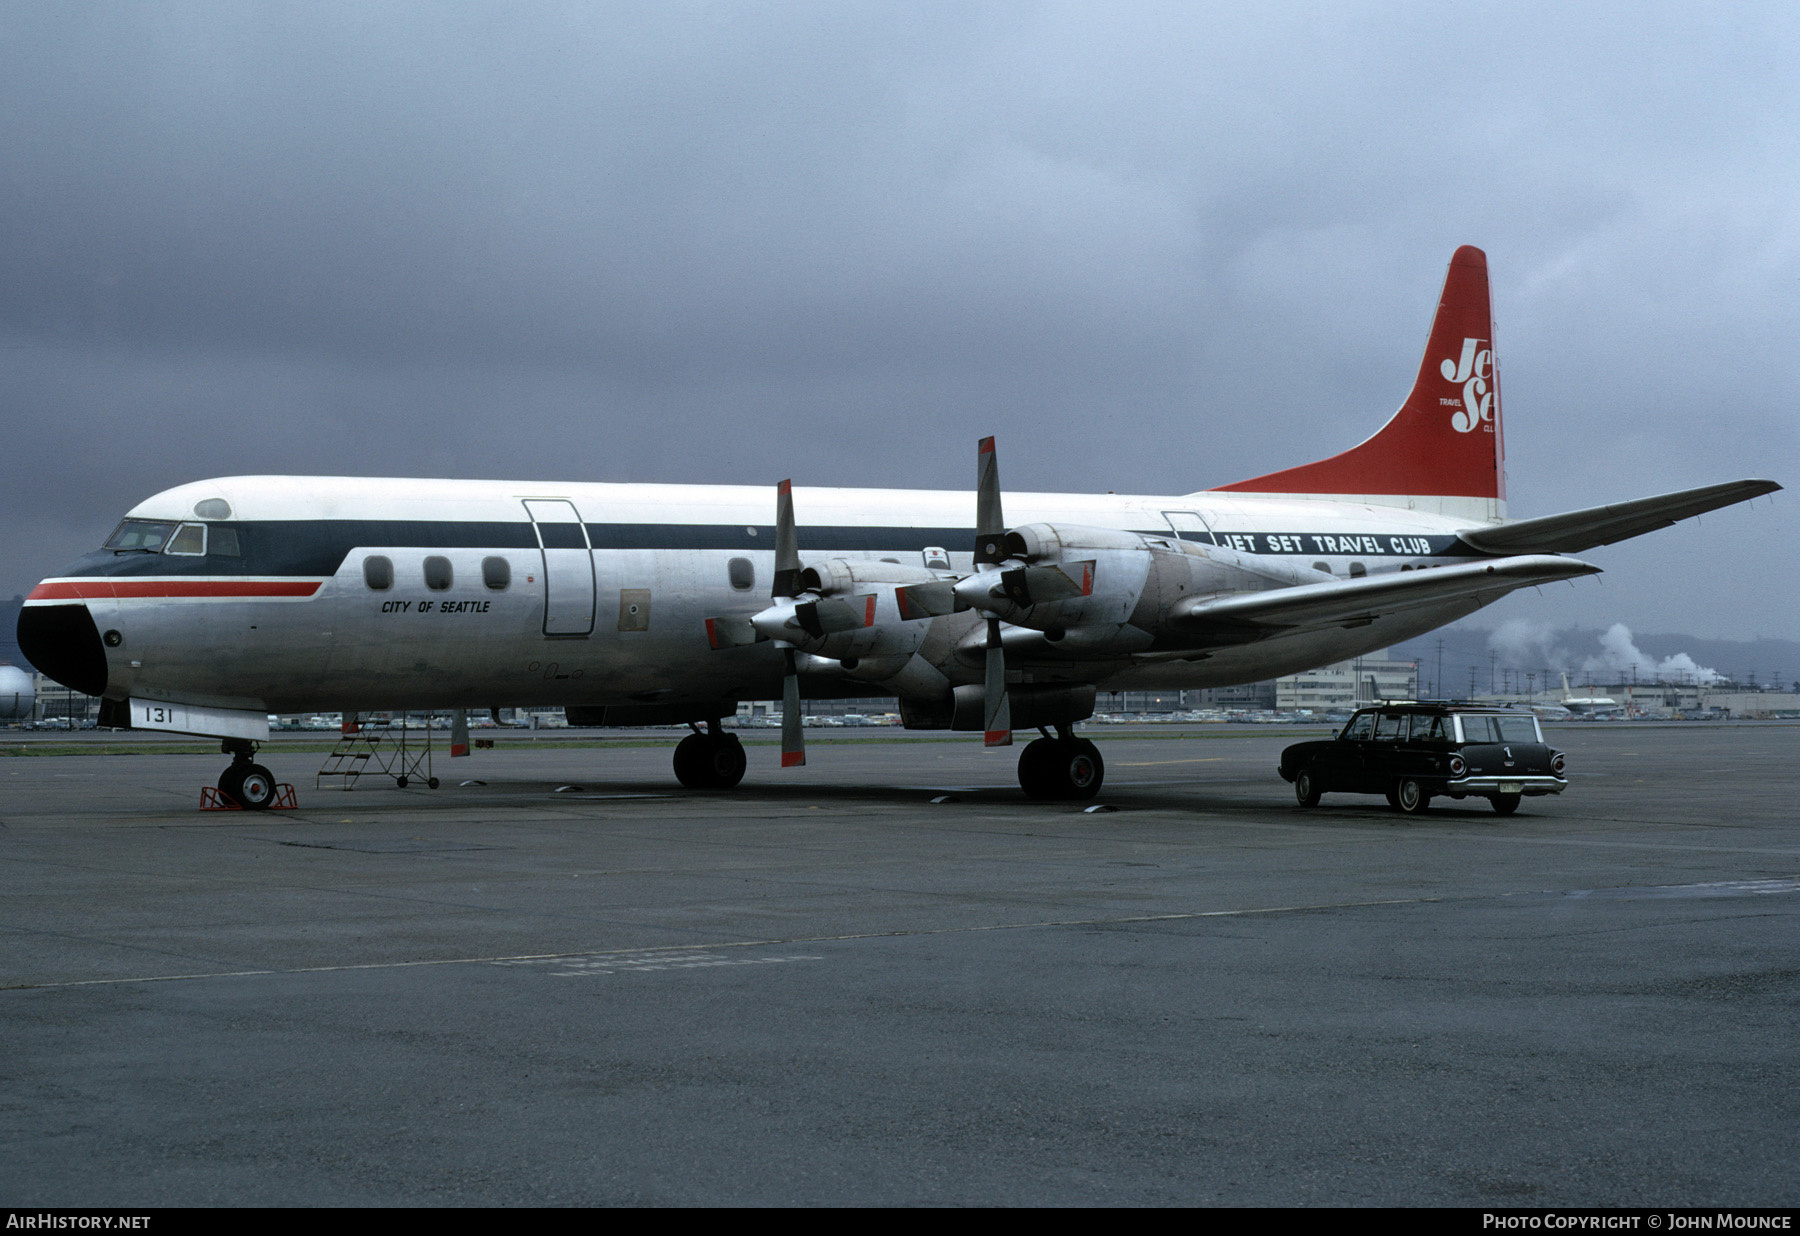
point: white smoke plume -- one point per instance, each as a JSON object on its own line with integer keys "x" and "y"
{"x": 1521, "y": 642}
{"x": 1622, "y": 657}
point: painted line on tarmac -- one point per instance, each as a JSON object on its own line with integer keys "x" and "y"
{"x": 539, "y": 958}
{"x": 698, "y": 953}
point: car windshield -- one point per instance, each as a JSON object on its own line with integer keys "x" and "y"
{"x": 146, "y": 535}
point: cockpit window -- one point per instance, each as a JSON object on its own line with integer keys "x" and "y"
{"x": 145, "y": 535}
{"x": 189, "y": 540}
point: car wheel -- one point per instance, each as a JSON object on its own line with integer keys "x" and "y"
{"x": 1306, "y": 790}
{"x": 1410, "y": 796}
{"x": 1506, "y": 804}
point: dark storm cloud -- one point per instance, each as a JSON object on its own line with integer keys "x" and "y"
{"x": 1150, "y": 247}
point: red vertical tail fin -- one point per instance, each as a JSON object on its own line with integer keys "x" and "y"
{"x": 1445, "y": 441}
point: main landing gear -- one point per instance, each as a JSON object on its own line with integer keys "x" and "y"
{"x": 1064, "y": 767}
{"x": 248, "y": 784}
{"x": 710, "y": 759}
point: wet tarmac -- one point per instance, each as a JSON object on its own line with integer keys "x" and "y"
{"x": 577, "y": 984}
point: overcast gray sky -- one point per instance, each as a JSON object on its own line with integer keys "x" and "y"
{"x": 1152, "y": 248}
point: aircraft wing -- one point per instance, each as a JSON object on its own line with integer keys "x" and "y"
{"x": 1574, "y": 531}
{"x": 1245, "y": 616}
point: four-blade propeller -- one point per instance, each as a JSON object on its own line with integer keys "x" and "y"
{"x": 804, "y": 615}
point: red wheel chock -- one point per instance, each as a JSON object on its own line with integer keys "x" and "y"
{"x": 212, "y": 798}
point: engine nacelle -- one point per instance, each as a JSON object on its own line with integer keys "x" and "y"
{"x": 847, "y": 610}
{"x": 1058, "y": 577}
{"x": 1032, "y": 706}
{"x": 841, "y": 576}
{"x": 1069, "y": 580}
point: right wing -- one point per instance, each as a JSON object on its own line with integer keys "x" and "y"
{"x": 1243, "y": 617}
{"x": 1574, "y": 531}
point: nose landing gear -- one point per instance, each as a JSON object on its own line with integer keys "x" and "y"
{"x": 248, "y": 784}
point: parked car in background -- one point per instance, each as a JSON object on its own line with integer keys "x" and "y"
{"x": 1415, "y": 752}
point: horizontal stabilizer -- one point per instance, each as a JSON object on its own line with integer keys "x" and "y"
{"x": 1574, "y": 531}
{"x": 1357, "y": 602}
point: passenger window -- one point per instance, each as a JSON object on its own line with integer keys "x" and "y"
{"x": 437, "y": 573}
{"x": 1358, "y": 570}
{"x": 1359, "y": 727}
{"x": 742, "y": 573}
{"x": 1438, "y": 731}
{"x": 189, "y": 541}
{"x": 222, "y": 542}
{"x": 496, "y": 573}
{"x": 378, "y": 573}
{"x": 1388, "y": 728}
{"x": 1322, "y": 566}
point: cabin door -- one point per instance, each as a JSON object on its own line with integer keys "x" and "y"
{"x": 568, "y": 567}
{"x": 1190, "y": 526}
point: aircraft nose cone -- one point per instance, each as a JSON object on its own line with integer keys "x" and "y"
{"x": 63, "y": 643}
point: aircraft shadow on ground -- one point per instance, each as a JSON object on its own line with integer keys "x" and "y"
{"x": 1275, "y": 807}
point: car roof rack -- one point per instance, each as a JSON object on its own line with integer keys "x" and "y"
{"x": 1497, "y": 706}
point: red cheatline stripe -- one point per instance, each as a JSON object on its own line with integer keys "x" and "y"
{"x": 104, "y": 589}
{"x": 792, "y": 759}
{"x": 998, "y": 738}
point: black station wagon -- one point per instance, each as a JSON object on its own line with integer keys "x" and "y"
{"x": 1416, "y": 752}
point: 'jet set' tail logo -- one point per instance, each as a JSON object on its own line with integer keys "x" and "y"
{"x": 1474, "y": 370}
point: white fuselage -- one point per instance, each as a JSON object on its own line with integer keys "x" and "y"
{"x": 612, "y": 610}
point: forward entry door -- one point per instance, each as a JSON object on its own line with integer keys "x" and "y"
{"x": 568, "y": 567}
{"x": 1190, "y": 526}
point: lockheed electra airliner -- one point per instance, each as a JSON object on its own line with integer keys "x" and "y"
{"x": 217, "y": 603}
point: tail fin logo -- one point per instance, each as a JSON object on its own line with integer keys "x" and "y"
{"x": 1474, "y": 372}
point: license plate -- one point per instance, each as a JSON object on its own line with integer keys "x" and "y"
{"x": 1512, "y": 787}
